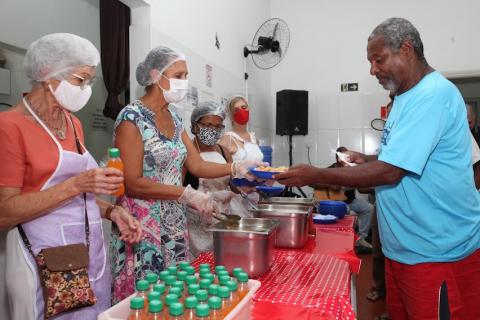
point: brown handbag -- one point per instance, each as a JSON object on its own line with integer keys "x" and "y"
{"x": 63, "y": 270}
{"x": 63, "y": 273}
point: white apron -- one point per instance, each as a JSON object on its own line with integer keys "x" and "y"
{"x": 61, "y": 226}
{"x": 249, "y": 150}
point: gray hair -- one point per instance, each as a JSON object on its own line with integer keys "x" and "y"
{"x": 395, "y": 31}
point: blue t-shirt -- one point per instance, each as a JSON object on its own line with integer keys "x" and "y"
{"x": 433, "y": 213}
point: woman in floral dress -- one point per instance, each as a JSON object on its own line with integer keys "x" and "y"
{"x": 154, "y": 147}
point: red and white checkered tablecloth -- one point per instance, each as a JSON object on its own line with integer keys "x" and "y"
{"x": 301, "y": 285}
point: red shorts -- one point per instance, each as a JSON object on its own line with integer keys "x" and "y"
{"x": 413, "y": 291}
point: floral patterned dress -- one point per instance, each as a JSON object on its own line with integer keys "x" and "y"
{"x": 164, "y": 239}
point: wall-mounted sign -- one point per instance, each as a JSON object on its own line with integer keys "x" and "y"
{"x": 344, "y": 87}
{"x": 208, "y": 75}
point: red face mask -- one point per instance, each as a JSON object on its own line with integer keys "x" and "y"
{"x": 241, "y": 116}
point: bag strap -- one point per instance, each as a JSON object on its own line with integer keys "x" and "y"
{"x": 79, "y": 149}
{"x": 23, "y": 235}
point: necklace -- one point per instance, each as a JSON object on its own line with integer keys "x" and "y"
{"x": 58, "y": 130}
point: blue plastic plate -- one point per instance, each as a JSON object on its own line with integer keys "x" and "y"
{"x": 242, "y": 182}
{"x": 324, "y": 219}
{"x": 263, "y": 174}
{"x": 271, "y": 190}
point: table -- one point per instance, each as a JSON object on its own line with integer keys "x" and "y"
{"x": 308, "y": 283}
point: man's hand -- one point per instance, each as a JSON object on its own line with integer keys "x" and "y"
{"x": 355, "y": 157}
{"x": 298, "y": 175}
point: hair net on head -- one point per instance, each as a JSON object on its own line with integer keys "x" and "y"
{"x": 207, "y": 108}
{"x": 159, "y": 58}
{"x": 55, "y": 53}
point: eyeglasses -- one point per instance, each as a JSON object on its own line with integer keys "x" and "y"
{"x": 84, "y": 82}
{"x": 209, "y": 125}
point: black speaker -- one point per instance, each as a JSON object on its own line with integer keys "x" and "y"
{"x": 292, "y": 112}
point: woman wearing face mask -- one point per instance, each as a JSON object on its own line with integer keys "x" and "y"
{"x": 48, "y": 180}
{"x": 241, "y": 145}
{"x": 207, "y": 126}
{"x": 154, "y": 148}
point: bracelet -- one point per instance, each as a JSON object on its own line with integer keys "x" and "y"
{"x": 108, "y": 212}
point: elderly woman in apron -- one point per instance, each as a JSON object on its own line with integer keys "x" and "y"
{"x": 242, "y": 145}
{"x": 207, "y": 126}
{"x": 154, "y": 148}
{"x": 45, "y": 172}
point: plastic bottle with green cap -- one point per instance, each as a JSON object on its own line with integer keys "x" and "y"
{"x": 193, "y": 288}
{"x": 153, "y": 295}
{"x": 202, "y": 312}
{"x": 204, "y": 266}
{"x": 142, "y": 291}
{"x": 181, "y": 275}
{"x": 155, "y": 310}
{"x": 218, "y": 268}
{"x": 114, "y": 161}
{"x": 172, "y": 270}
{"x": 137, "y": 311}
{"x": 215, "y": 304}
{"x": 170, "y": 299}
{"x": 176, "y": 311}
{"x": 190, "y": 304}
{"x": 159, "y": 287}
{"x": 190, "y": 270}
{"x": 190, "y": 279}
{"x": 213, "y": 289}
{"x": 205, "y": 283}
{"x": 224, "y": 294}
{"x": 203, "y": 273}
{"x": 152, "y": 279}
{"x": 223, "y": 280}
{"x": 163, "y": 275}
{"x": 202, "y": 295}
{"x": 232, "y": 286}
{"x": 169, "y": 281}
{"x": 183, "y": 264}
{"x": 242, "y": 282}
{"x": 178, "y": 292}
{"x": 236, "y": 271}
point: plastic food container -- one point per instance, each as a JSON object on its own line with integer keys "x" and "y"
{"x": 294, "y": 222}
{"x": 248, "y": 244}
{"x": 241, "y": 312}
{"x": 334, "y": 208}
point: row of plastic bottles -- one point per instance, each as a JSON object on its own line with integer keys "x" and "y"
{"x": 181, "y": 294}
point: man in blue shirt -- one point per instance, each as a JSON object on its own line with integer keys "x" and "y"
{"x": 428, "y": 207}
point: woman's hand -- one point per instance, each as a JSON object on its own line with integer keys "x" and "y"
{"x": 242, "y": 167}
{"x": 129, "y": 227}
{"x": 100, "y": 181}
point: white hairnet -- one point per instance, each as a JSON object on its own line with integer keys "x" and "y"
{"x": 159, "y": 58}
{"x": 55, "y": 53}
{"x": 207, "y": 108}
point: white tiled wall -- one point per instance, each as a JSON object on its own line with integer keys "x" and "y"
{"x": 334, "y": 120}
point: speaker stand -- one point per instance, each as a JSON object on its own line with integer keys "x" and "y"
{"x": 290, "y": 162}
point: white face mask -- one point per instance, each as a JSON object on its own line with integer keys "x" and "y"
{"x": 71, "y": 97}
{"x": 178, "y": 90}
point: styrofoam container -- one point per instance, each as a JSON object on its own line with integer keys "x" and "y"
{"x": 241, "y": 312}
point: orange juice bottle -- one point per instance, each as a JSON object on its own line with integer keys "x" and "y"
{"x": 136, "y": 309}
{"x": 215, "y": 304}
{"x": 152, "y": 279}
{"x": 234, "y": 297}
{"x": 155, "y": 310}
{"x": 242, "y": 282}
{"x": 142, "y": 291}
{"x": 178, "y": 292}
{"x": 190, "y": 279}
{"x": 213, "y": 289}
{"x": 237, "y": 271}
{"x": 224, "y": 294}
{"x": 183, "y": 264}
{"x": 176, "y": 311}
{"x": 114, "y": 161}
{"x": 190, "y": 304}
{"x": 202, "y": 312}
{"x": 202, "y": 295}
